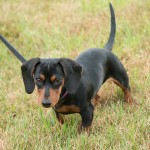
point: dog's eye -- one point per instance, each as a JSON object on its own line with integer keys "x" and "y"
{"x": 38, "y": 80}
{"x": 57, "y": 81}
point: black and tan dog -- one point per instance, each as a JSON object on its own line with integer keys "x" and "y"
{"x": 68, "y": 86}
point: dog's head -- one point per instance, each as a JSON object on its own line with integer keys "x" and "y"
{"x": 50, "y": 76}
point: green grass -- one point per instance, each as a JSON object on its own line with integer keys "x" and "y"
{"x": 64, "y": 28}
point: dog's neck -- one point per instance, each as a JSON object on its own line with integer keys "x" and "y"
{"x": 63, "y": 95}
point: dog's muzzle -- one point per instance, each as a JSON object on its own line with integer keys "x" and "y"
{"x": 46, "y": 103}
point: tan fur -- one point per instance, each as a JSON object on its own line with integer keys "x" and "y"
{"x": 53, "y": 78}
{"x": 40, "y": 95}
{"x": 42, "y": 77}
{"x": 67, "y": 109}
{"x": 54, "y": 95}
{"x": 127, "y": 94}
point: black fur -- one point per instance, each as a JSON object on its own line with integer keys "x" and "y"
{"x": 83, "y": 77}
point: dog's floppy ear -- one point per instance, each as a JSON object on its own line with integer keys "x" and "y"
{"x": 72, "y": 71}
{"x": 28, "y": 69}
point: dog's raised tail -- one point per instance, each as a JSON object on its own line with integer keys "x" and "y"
{"x": 110, "y": 42}
{"x": 12, "y": 49}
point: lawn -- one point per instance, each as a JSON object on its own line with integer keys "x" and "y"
{"x": 65, "y": 28}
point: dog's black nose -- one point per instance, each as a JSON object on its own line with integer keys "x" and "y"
{"x": 46, "y": 103}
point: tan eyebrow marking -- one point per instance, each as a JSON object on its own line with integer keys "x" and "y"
{"x": 53, "y": 78}
{"x": 42, "y": 77}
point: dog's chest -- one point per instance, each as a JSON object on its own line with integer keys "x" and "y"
{"x": 66, "y": 108}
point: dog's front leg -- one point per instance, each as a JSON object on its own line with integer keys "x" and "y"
{"x": 87, "y": 118}
{"x": 59, "y": 118}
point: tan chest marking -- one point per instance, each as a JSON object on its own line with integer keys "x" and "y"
{"x": 68, "y": 109}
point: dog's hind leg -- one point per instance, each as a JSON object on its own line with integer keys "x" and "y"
{"x": 120, "y": 77}
{"x": 126, "y": 90}
{"x": 95, "y": 100}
